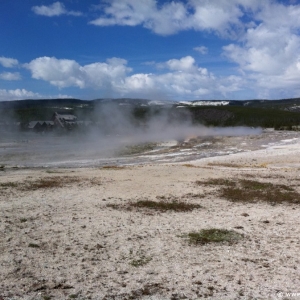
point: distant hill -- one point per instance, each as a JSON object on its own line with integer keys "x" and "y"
{"x": 264, "y": 113}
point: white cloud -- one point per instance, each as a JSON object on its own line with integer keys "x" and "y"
{"x": 185, "y": 64}
{"x": 201, "y": 49}
{"x": 10, "y": 76}
{"x": 269, "y": 54}
{"x": 179, "y": 85}
{"x": 222, "y": 17}
{"x": 22, "y": 94}
{"x": 55, "y": 9}
{"x": 8, "y": 62}
{"x": 65, "y": 73}
{"x": 17, "y": 94}
{"x": 182, "y": 79}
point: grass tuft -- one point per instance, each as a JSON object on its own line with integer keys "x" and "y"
{"x": 143, "y": 260}
{"x": 214, "y": 235}
{"x": 166, "y": 206}
{"x": 32, "y": 245}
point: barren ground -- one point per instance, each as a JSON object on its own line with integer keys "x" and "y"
{"x": 75, "y": 233}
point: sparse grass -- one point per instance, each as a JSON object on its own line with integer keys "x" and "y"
{"x": 143, "y": 260}
{"x": 214, "y": 235}
{"x": 33, "y": 245}
{"x": 164, "y": 206}
{"x": 189, "y": 166}
{"x": 6, "y": 185}
{"x": 226, "y": 165}
{"x": 244, "y": 190}
{"x": 216, "y": 182}
{"x": 164, "y": 203}
{"x": 48, "y": 183}
{"x": 54, "y": 171}
{"x": 113, "y": 167}
{"x": 229, "y": 165}
{"x": 112, "y": 205}
{"x": 191, "y": 195}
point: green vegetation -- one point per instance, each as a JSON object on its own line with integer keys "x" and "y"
{"x": 164, "y": 206}
{"x": 244, "y": 190}
{"x": 141, "y": 261}
{"x": 33, "y": 245}
{"x": 214, "y": 235}
{"x": 47, "y": 183}
{"x": 6, "y": 185}
{"x": 244, "y": 116}
{"x": 50, "y": 182}
{"x": 113, "y": 167}
{"x": 267, "y": 114}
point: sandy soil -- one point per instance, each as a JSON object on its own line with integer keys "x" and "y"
{"x": 80, "y": 240}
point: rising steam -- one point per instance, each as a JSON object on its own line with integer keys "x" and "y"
{"x": 115, "y": 127}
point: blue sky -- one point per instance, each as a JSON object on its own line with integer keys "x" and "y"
{"x": 153, "y": 49}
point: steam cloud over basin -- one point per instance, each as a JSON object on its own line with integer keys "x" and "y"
{"x": 120, "y": 134}
{"x": 126, "y": 145}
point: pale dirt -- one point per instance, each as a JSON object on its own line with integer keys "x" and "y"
{"x": 86, "y": 249}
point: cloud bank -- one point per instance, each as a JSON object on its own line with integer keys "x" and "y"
{"x": 221, "y": 17}
{"x": 179, "y": 77}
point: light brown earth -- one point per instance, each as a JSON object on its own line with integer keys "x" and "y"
{"x": 79, "y": 240}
